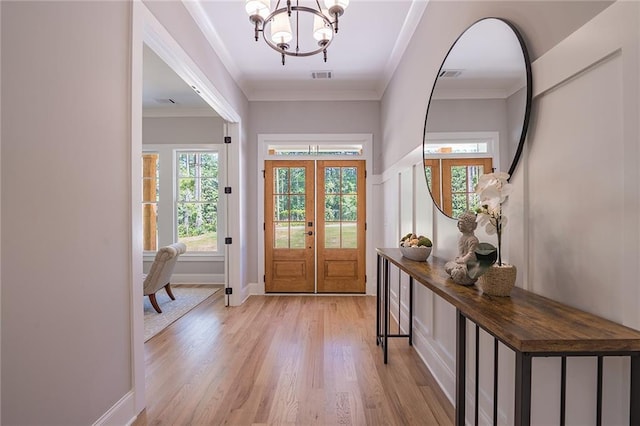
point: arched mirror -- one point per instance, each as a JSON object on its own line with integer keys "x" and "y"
{"x": 478, "y": 113}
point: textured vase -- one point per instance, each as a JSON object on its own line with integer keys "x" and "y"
{"x": 498, "y": 280}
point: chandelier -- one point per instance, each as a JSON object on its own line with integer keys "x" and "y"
{"x": 280, "y": 20}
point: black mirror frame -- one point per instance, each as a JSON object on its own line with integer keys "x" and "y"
{"x": 527, "y": 111}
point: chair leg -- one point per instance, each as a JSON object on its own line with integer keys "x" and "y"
{"x": 168, "y": 288}
{"x": 154, "y": 303}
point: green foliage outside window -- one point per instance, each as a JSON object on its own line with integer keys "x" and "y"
{"x": 197, "y": 204}
{"x": 463, "y": 182}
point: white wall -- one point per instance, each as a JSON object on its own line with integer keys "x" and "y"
{"x": 182, "y": 130}
{"x": 574, "y": 230}
{"x": 66, "y": 338}
{"x": 68, "y": 355}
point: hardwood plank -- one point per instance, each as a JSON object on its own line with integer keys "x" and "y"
{"x": 299, "y": 360}
{"x": 525, "y": 321}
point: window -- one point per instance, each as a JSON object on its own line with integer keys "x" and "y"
{"x": 197, "y": 200}
{"x": 181, "y": 197}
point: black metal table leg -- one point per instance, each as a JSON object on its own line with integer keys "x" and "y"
{"x": 410, "y": 311}
{"x": 634, "y": 411}
{"x": 523, "y": 389}
{"x": 386, "y": 310}
{"x": 461, "y": 360}
{"x": 378, "y": 301}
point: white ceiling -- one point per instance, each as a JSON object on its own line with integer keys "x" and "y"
{"x": 164, "y": 93}
{"x": 361, "y": 57}
{"x": 358, "y": 72}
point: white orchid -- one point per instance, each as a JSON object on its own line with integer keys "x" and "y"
{"x": 493, "y": 189}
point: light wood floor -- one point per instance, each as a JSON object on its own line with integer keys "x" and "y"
{"x": 298, "y": 360}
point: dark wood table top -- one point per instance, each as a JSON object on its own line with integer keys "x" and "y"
{"x": 525, "y": 321}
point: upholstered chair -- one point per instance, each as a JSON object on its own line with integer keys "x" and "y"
{"x": 160, "y": 272}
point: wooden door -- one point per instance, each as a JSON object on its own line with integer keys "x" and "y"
{"x": 459, "y": 179}
{"x": 341, "y": 226}
{"x": 289, "y": 219}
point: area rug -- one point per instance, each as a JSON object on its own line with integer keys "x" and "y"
{"x": 187, "y": 298}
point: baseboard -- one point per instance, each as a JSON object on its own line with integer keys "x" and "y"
{"x": 246, "y": 292}
{"x": 197, "y": 279}
{"x": 255, "y": 289}
{"x": 122, "y": 413}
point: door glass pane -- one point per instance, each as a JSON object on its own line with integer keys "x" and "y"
{"x": 297, "y": 209}
{"x": 332, "y": 180}
{"x": 297, "y": 180}
{"x": 297, "y": 233}
{"x": 281, "y": 207}
{"x": 473, "y": 173}
{"x": 349, "y": 180}
{"x": 281, "y": 180}
{"x": 289, "y": 204}
{"x": 349, "y": 235}
{"x": 281, "y": 235}
{"x": 341, "y": 207}
{"x": 458, "y": 204}
{"x": 332, "y": 208}
{"x": 349, "y": 207}
{"x": 427, "y": 172}
{"x": 332, "y": 235}
{"x": 463, "y": 183}
{"x": 458, "y": 179}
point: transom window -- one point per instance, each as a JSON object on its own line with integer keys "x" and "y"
{"x": 317, "y": 149}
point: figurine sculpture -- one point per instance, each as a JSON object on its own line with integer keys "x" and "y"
{"x": 466, "y": 250}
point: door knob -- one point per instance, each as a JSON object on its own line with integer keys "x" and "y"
{"x": 310, "y": 233}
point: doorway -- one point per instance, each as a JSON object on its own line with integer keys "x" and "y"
{"x": 315, "y": 229}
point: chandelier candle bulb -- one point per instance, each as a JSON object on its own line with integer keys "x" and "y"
{"x": 259, "y": 8}
{"x": 281, "y": 29}
{"x": 322, "y": 31}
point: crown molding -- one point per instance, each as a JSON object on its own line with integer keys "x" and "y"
{"x": 313, "y": 95}
{"x": 203, "y": 22}
{"x": 443, "y": 94}
{"x": 178, "y": 112}
{"x": 411, "y": 21}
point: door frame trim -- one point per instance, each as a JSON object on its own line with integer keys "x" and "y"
{"x": 366, "y": 139}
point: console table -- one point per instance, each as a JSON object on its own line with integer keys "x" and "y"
{"x": 529, "y": 324}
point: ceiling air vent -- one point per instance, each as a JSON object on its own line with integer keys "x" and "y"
{"x": 321, "y": 75}
{"x": 449, "y": 73}
{"x": 165, "y": 101}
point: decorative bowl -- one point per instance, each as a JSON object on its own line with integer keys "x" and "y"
{"x": 418, "y": 253}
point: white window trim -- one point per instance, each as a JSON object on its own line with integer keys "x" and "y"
{"x": 168, "y": 235}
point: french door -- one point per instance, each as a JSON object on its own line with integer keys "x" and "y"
{"x": 452, "y": 182}
{"x": 315, "y": 226}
